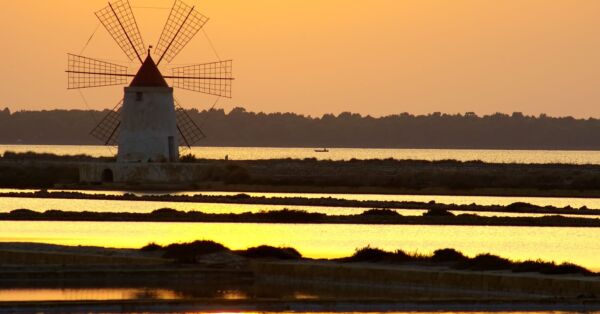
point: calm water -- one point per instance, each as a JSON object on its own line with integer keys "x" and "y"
{"x": 577, "y": 245}
{"x": 575, "y": 202}
{"x": 222, "y": 290}
{"x": 248, "y": 153}
{"x": 8, "y": 204}
{"x": 86, "y": 294}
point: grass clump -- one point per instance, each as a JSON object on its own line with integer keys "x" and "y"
{"x": 438, "y": 212}
{"x": 550, "y": 268}
{"x": 270, "y": 252}
{"x": 375, "y": 255}
{"x": 380, "y": 213}
{"x": 288, "y": 215}
{"x": 486, "y": 262}
{"x": 448, "y": 256}
{"x": 151, "y": 247}
{"x": 188, "y": 252}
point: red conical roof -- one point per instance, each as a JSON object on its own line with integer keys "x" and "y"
{"x": 149, "y": 75}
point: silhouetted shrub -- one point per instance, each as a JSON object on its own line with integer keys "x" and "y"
{"x": 187, "y": 252}
{"x": 566, "y": 268}
{"x": 24, "y": 213}
{"x": 151, "y": 247}
{"x": 288, "y": 215}
{"x": 166, "y": 212}
{"x": 240, "y": 196}
{"x": 368, "y": 254}
{"x": 380, "y": 213}
{"x": 374, "y": 255}
{"x": 438, "y": 212}
{"x": 522, "y": 207}
{"x": 270, "y": 252}
{"x": 448, "y": 255}
{"x": 532, "y": 266}
{"x": 549, "y": 268}
{"x": 486, "y": 262}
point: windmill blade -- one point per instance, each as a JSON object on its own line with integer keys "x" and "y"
{"x": 189, "y": 132}
{"x": 182, "y": 25}
{"x": 107, "y": 131}
{"x": 119, "y": 21}
{"x": 208, "y": 78}
{"x": 84, "y": 72}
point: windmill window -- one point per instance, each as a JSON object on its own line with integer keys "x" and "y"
{"x": 139, "y": 96}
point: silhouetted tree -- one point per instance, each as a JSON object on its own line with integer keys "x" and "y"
{"x": 242, "y": 128}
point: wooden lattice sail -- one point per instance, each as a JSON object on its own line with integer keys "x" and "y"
{"x": 182, "y": 24}
{"x": 209, "y": 78}
{"x": 84, "y": 72}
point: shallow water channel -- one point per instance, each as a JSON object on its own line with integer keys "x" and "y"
{"x": 42, "y": 204}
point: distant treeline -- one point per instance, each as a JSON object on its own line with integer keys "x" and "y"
{"x": 242, "y": 128}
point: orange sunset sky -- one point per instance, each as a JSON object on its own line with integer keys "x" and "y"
{"x": 327, "y": 56}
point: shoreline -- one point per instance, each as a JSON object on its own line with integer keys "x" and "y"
{"x": 246, "y": 188}
{"x": 381, "y": 176}
{"x": 269, "y": 283}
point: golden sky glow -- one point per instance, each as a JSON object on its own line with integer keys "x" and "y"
{"x": 317, "y": 56}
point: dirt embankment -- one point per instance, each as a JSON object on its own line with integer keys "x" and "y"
{"x": 445, "y": 270}
{"x": 384, "y": 176}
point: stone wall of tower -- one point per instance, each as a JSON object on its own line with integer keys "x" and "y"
{"x": 148, "y": 130}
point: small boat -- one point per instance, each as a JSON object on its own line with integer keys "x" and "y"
{"x": 324, "y": 150}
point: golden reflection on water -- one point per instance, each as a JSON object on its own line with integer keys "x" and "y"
{"x": 260, "y": 153}
{"x": 575, "y": 202}
{"x": 576, "y": 245}
{"x": 9, "y": 203}
{"x": 42, "y": 204}
{"x": 85, "y": 294}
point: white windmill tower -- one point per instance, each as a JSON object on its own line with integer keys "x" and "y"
{"x": 148, "y": 125}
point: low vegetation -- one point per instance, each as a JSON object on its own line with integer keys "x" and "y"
{"x": 265, "y": 251}
{"x": 190, "y": 252}
{"x": 457, "y": 260}
{"x": 384, "y": 175}
{"x": 372, "y": 216}
{"x": 381, "y": 207}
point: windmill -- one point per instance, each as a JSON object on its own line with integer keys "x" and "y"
{"x": 148, "y": 124}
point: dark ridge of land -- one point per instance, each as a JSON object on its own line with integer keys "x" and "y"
{"x": 279, "y": 279}
{"x": 206, "y": 252}
{"x": 242, "y": 128}
{"x": 189, "y": 253}
{"x": 373, "y": 216}
{"x": 450, "y": 177}
{"x": 518, "y": 207}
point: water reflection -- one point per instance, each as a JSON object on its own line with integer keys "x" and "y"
{"x": 261, "y": 153}
{"x": 263, "y": 289}
{"x": 86, "y": 294}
